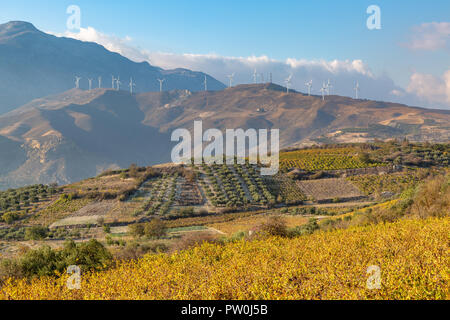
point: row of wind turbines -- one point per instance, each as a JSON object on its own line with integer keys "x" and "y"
{"x": 115, "y": 83}
{"x": 325, "y": 89}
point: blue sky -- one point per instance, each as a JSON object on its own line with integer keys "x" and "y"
{"x": 310, "y": 30}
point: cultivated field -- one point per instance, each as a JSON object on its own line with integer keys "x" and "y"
{"x": 291, "y": 228}
{"x": 330, "y": 189}
{"x": 408, "y": 253}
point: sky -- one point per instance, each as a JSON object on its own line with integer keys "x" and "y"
{"x": 407, "y": 60}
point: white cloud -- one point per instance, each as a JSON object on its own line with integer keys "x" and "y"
{"x": 430, "y": 88}
{"x": 123, "y": 46}
{"x": 430, "y": 36}
{"x": 342, "y": 73}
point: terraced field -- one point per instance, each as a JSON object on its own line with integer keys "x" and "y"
{"x": 324, "y": 159}
{"x": 234, "y": 186}
{"x": 334, "y": 189}
{"x": 392, "y": 183}
{"x": 288, "y": 190}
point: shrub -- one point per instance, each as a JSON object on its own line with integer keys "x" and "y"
{"x": 432, "y": 198}
{"x": 106, "y": 228}
{"x": 193, "y": 240}
{"x": 134, "y": 250}
{"x": 36, "y": 233}
{"x": 133, "y": 171}
{"x": 10, "y": 217}
{"x": 274, "y": 226}
{"x": 101, "y": 221}
{"x": 136, "y": 229}
{"x": 155, "y": 229}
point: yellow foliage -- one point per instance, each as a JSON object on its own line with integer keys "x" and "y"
{"x": 412, "y": 255}
{"x": 249, "y": 223}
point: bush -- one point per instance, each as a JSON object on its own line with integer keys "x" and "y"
{"x": 45, "y": 261}
{"x": 101, "y": 221}
{"x": 134, "y": 250}
{"x": 305, "y": 229}
{"x": 155, "y": 229}
{"x": 194, "y": 239}
{"x": 136, "y": 229}
{"x": 274, "y": 226}
{"x": 432, "y": 198}
{"x": 106, "y": 228}
{"x": 36, "y": 233}
{"x": 133, "y": 171}
{"x": 10, "y": 217}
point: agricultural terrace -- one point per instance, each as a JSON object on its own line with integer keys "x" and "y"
{"x": 325, "y": 159}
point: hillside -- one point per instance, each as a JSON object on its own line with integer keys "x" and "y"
{"x": 77, "y": 134}
{"x": 34, "y": 64}
{"x": 327, "y": 265}
{"x": 300, "y": 229}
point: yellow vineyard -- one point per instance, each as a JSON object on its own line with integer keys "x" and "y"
{"x": 323, "y": 159}
{"x": 412, "y": 256}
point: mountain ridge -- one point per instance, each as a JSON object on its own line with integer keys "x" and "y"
{"x": 35, "y": 64}
{"x": 79, "y": 133}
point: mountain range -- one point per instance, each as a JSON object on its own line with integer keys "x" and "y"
{"x": 53, "y": 132}
{"x": 79, "y": 133}
{"x": 35, "y": 64}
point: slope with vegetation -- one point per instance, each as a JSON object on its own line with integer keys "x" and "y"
{"x": 406, "y": 238}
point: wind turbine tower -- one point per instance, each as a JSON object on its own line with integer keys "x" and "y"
{"x": 90, "y": 84}
{"x": 255, "y": 77}
{"x": 309, "y": 85}
{"x": 99, "y": 82}
{"x": 113, "y": 85}
{"x": 161, "y": 81}
{"x": 357, "y": 90}
{"x": 118, "y": 83}
{"x": 288, "y": 82}
{"x": 329, "y": 86}
{"x": 270, "y": 77}
{"x": 131, "y": 85}
{"x": 231, "y": 76}
{"x": 77, "y": 82}
{"x": 323, "y": 90}
{"x": 205, "y": 82}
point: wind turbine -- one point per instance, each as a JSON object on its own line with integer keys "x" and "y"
{"x": 161, "y": 81}
{"x": 262, "y": 77}
{"x": 113, "y": 82}
{"x": 288, "y": 82}
{"x": 255, "y": 77}
{"x": 231, "y": 76}
{"x": 357, "y": 90}
{"x": 323, "y": 90}
{"x": 205, "y": 82}
{"x": 90, "y": 84}
{"x": 99, "y": 82}
{"x": 270, "y": 77}
{"x": 309, "y": 85}
{"x": 329, "y": 86}
{"x": 131, "y": 85}
{"x": 77, "y": 82}
{"x": 118, "y": 83}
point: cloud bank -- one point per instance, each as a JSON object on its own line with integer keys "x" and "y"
{"x": 423, "y": 90}
{"x": 430, "y": 36}
{"x": 430, "y": 88}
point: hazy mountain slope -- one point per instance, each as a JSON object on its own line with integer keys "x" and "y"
{"x": 300, "y": 118}
{"x": 34, "y": 64}
{"x": 73, "y": 141}
{"x": 78, "y": 134}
